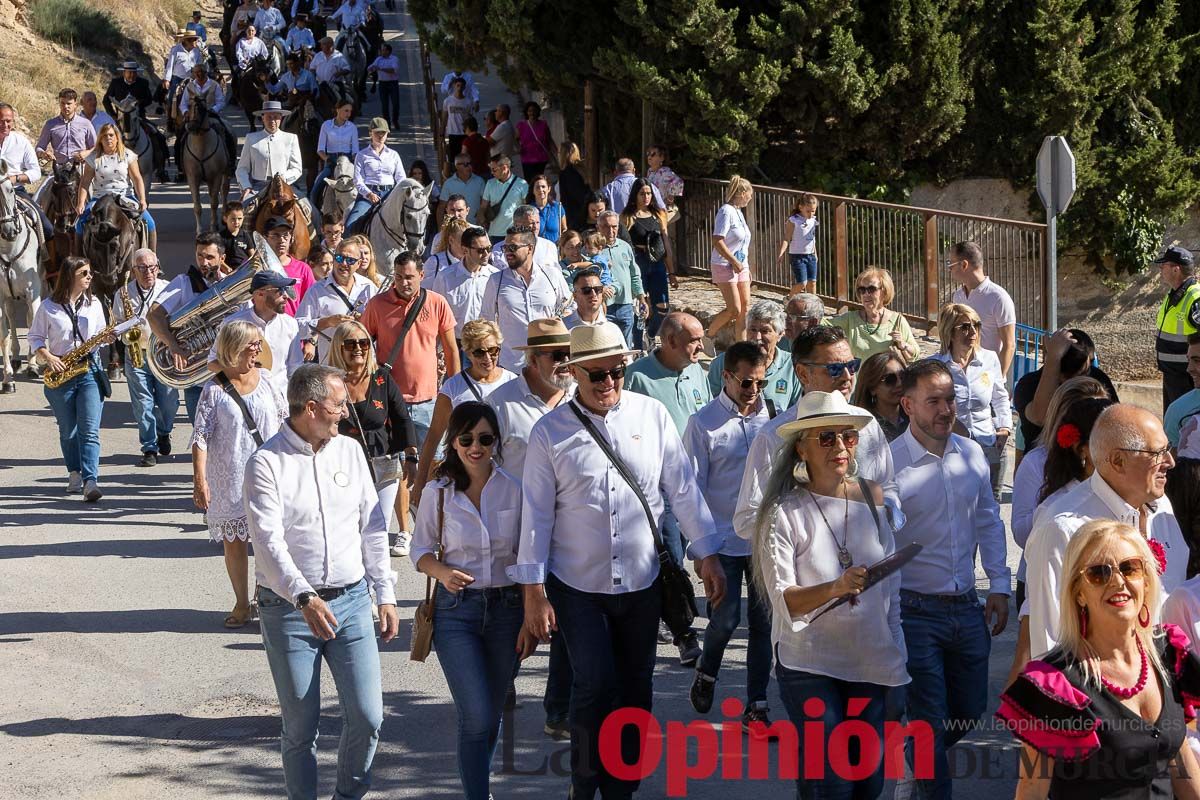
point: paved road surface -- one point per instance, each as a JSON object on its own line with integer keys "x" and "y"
{"x": 119, "y": 681}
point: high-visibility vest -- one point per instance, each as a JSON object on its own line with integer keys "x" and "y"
{"x": 1174, "y": 326}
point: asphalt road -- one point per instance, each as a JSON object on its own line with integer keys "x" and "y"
{"x": 120, "y": 682}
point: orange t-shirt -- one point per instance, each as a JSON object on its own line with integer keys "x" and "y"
{"x": 415, "y": 368}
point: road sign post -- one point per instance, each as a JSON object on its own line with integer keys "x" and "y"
{"x": 1055, "y": 187}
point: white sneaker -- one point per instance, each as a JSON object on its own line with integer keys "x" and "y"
{"x": 91, "y": 492}
{"x": 74, "y": 483}
{"x": 400, "y": 548}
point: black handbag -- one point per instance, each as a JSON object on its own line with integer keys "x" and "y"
{"x": 656, "y": 246}
{"x": 678, "y": 591}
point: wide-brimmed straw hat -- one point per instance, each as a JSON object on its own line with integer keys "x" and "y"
{"x": 184, "y": 33}
{"x": 546, "y": 333}
{"x": 589, "y": 342}
{"x": 822, "y": 410}
{"x": 272, "y": 107}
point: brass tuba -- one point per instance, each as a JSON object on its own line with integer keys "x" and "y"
{"x": 195, "y": 325}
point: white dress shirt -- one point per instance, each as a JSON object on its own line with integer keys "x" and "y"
{"x": 517, "y": 410}
{"x": 325, "y": 299}
{"x": 18, "y": 154}
{"x": 860, "y": 643}
{"x": 480, "y": 542}
{"x": 248, "y": 50}
{"x": 338, "y": 138}
{"x": 512, "y": 304}
{"x": 52, "y": 329}
{"x": 315, "y": 518}
{"x": 717, "y": 440}
{"x": 141, "y": 301}
{"x": 269, "y": 21}
{"x": 582, "y": 522}
{"x": 434, "y": 265}
{"x": 267, "y": 154}
{"x": 350, "y": 14}
{"x": 329, "y": 67}
{"x": 1027, "y": 485}
{"x": 545, "y": 255}
{"x": 299, "y": 38}
{"x": 179, "y": 293}
{"x": 1056, "y": 524}
{"x": 180, "y": 61}
{"x": 949, "y": 508}
{"x": 282, "y": 336}
{"x": 376, "y": 169}
{"x": 874, "y": 463}
{"x": 464, "y": 291}
{"x": 980, "y": 395}
{"x": 210, "y": 91}
{"x": 98, "y": 120}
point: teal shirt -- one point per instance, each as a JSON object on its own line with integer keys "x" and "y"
{"x": 626, "y": 277}
{"x": 783, "y": 387}
{"x": 683, "y": 393}
{"x": 1186, "y": 406}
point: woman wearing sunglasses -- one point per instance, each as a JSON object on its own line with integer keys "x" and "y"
{"x": 980, "y": 387}
{"x": 481, "y": 342}
{"x": 873, "y": 328}
{"x": 474, "y": 508}
{"x": 1104, "y": 713}
{"x": 816, "y": 530}
{"x": 337, "y": 298}
{"x": 378, "y": 416}
{"x": 878, "y": 391}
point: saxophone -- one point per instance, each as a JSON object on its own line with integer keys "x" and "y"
{"x": 75, "y": 362}
{"x": 133, "y": 339}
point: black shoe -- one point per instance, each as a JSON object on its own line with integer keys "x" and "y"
{"x": 703, "y": 688}
{"x": 558, "y": 730}
{"x": 148, "y": 460}
{"x": 164, "y": 445}
{"x": 755, "y": 721}
{"x": 689, "y": 649}
{"x": 510, "y": 698}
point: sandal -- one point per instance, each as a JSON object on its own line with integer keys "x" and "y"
{"x": 236, "y": 620}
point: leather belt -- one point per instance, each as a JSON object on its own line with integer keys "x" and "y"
{"x": 335, "y": 592}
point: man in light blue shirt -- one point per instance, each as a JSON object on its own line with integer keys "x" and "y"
{"x": 503, "y": 193}
{"x": 197, "y": 27}
{"x": 765, "y": 326}
{"x": 464, "y": 181}
{"x": 295, "y": 80}
{"x": 946, "y": 493}
{"x": 299, "y": 36}
{"x": 616, "y": 193}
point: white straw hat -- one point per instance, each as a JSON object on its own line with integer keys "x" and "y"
{"x": 589, "y": 342}
{"x": 823, "y": 409}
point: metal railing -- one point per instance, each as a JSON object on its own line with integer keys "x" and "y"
{"x": 855, "y": 234}
{"x": 1028, "y": 354}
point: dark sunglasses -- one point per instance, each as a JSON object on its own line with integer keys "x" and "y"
{"x": 836, "y": 368}
{"x": 746, "y": 383}
{"x": 866, "y": 289}
{"x": 1101, "y": 574}
{"x": 590, "y": 290}
{"x": 480, "y": 352}
{"x": 967, "y": 327}
{"x": 890, "y": 379}
{"x": 341, "y": 259}
{"x": 559, "y": 356}
{"x": 829, "y": 438}
{"x": 468, "y": 439}
{"x": 512, "y": 248}
{"x": 599, "y": 375}
{"x": 483, "y": 251}
{"x": 356, "y": 344}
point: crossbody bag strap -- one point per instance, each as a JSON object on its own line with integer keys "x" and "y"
{"x": 511, "y": 183}
{"x": 472, "y": 386}
{"x": 362, "y": 437}
{"x": 409, "y": 320}
{"x": 430, "y": 584}
{"x": 345, "y": 299}
{"x": 771, "y": 409}
{"x": 869, "y": 499}
{"x": 236, "y": 397}
{"x": 623, "y": 469}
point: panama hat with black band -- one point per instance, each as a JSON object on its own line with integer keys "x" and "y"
{"x": 546, "y": 334}
{"x": 591, "y": 342}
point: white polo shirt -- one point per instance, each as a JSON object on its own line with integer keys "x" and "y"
{"x": 994, "y": 307}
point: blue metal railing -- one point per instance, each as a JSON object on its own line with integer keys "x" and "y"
{"x": 1028, "y": 356}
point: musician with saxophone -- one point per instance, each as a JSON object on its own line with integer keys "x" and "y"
{"x": 339, "y": 297}
{"x": 64, "y": 334}
{"x": 154, "y": 403}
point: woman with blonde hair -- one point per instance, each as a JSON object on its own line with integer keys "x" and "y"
{"x": 366, "y": 264}
{"x": 483, "y": 375}
{"x": 873, "y": 328}
{"x": 1117, "y": 684}
{"x": 729, "y": 262}
{"x": 448, "y": 250}
{"x": 112, "y": 169}
{"x": 573, "y": 191}
{"x": 238, "y": 410}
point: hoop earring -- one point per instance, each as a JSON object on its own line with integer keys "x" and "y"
{"x": 1083, "y": 619}
{"x": 800, "y": 472}
{"x": 852, "y": 468}
{"x": 1144, "y": 617}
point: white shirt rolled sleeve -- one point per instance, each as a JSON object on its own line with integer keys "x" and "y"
{"x": 51, "y": 327}
{"x": 18, "y": 153}
{"x": 480, "y": 542}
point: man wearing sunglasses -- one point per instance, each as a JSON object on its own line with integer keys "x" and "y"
{"x": 803, "y": 311}
{"x": 339, "y": 297}
{"x": 463, "y": 283}
{"x": 587, "y": 554}
{"x": 279, "y": 238}
{"x": 269, "y": 293}
{"x": 945, "y": 487}
{"x": 589, "y": 299}
{"x": 1132, "y": 456}
{"x": 545, "y": 252}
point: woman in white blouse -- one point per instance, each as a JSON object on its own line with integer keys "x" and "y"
{"x": 817, "y": 529}
{"x": 111, "y": 169}
{"x": 980, "y": 387}
{"x": 338, "y": 137}
{"x": 474, "y": 508}
{"x": 222, "y": 443}
{"x": 481, "y": 342}
{"x": 69, "y": 318}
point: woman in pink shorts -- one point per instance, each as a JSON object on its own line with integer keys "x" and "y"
{"x": 728, "y": 262}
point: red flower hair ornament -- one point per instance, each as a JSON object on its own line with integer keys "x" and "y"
{"x": 1068, "y": 436}
{"x": 1160, "y": 555}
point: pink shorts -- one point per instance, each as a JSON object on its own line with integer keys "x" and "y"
{"x": 723, "y": 273}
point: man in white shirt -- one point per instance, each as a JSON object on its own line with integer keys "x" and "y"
{"x": 269, "y": 19}
{"x": 18, "y": 154}
{"x": 269, "y": 152}
{"x": 588, "y": 292}
{"x": 946, "y": 492}
{"x": 331, "y": 68}
{"x": 587, "y": 554}
{"x": 203, "y": 88}
{"x": 472, "y": 91}
{"x": 465, "y": 183}
{"x": 1132, "y": 456}
{"x": 339, "y": 297}
{"x": 993, "y": 305}
{"x": 154, "y": 403}
{"x": 350, "y": 14}
{"x": 179, "y": 62}
{"x": 320, "y": 542}
{"x": 463, "y": 283}
{"x": 521, "y": 293}
{"x": 545, "y": 252}
{"x": 250, "y": 48}
{"x": 377, "y": 170}
{"x": 269, "y": 293}
{"x": 90, "y": 110}
{"x": 503, "y": 138}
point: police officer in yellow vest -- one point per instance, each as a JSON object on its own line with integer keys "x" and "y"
{"x": 1178, "y": 317}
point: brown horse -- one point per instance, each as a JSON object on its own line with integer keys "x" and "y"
{"x": 280, "y": 200}
{"x": 59, "y": 200}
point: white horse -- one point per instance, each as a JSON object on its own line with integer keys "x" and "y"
{"x": 339, "y": 191}
{"x": 399, "y": 224}
{"x": 20, "y": 282}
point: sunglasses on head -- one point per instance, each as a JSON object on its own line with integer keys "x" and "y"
{"x": 1101, "y": 574}
{"x": 592, "y": 290}
{"x": 356, "y": 344}
{"x": 836, "y": 368}
{"x": 746, "y": 383}
{"x": 599, "y": 375}
{"x": 480, "y": 352}
{"x": 341, "y": 259}
{"x": 829, "y": 438}
{"x": 468, "y": 439}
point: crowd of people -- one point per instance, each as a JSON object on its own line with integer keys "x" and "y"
{"x": 522, "y": 413}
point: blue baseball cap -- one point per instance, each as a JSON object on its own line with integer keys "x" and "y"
{"x": 269, "y": 279}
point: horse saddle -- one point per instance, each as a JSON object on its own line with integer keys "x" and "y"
{"x": 29, "y": 211}
{"x": 363, "y": 223}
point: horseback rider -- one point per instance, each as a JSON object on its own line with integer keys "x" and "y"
{"x": 201, "y": 87}
{"x": 269, "y": 20}
{"x": 377, "y": 170}
{"x": 197, "y": 27}
{"x": 331, "y": 67}
{"x": 112, "y": 169}
{"x": 296, "y": 85}
{"x": 350, "y": 14}
{"x": 269, "y": 152}
{"x": 16, "y": 151}
{"x": 250, "y": 49}
{"x": 339, "y": 137}
{"x": 178, "y": 66}
{"x": 299, "y": 37}
{"x": 130, "y": 84}
{"x": 89, "y": 109}
{"x": 65, "y": 138}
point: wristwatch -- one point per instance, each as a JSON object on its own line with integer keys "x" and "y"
{"x": 303, "y": 599}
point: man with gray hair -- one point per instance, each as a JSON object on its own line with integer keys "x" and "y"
{"x": 765, "y": 327}
{"x": 803, "y": 311}
{"x": 545, "y": 252}
{"x": 1132, "y": 458}
{"x": 629, "y": 292}
{"x": 320, "y": 543}
{"x": 501, "y": 196}
{"x": 616, "y": 193}
{"x": 154, "y": 403}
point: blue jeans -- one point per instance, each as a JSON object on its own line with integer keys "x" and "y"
{"x": 556, "y": 701}
{"x": 622, "y": 316}
{"x": 672, "y": 536}
{"x": 361, "y": 206}
{"x": 804, "y": 267}
{"x": 295, "y": 654}
{"x": 77, "y": 406}
{"x": 87, "y": 214}
{"x": 191, "y": 399}
{"x": 422, "y": 416}
{"x": 154, "y": 405}
{"x": 658, "y": 292}
{"x": 796, "y": 687}
{"x": 723, "y": 621}
{"x": 948, "y": 648}
{"x": 172, "y": 87}
{"x": 611, "y": 639}
{"x": 476, "y": 638}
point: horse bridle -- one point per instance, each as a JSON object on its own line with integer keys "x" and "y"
{"x": 19, "y": 217}
{"x": 187, "y": 141}
{"x": 403, "y": 219}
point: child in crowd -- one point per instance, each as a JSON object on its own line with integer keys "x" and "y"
{"x": 800, "y": 244}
